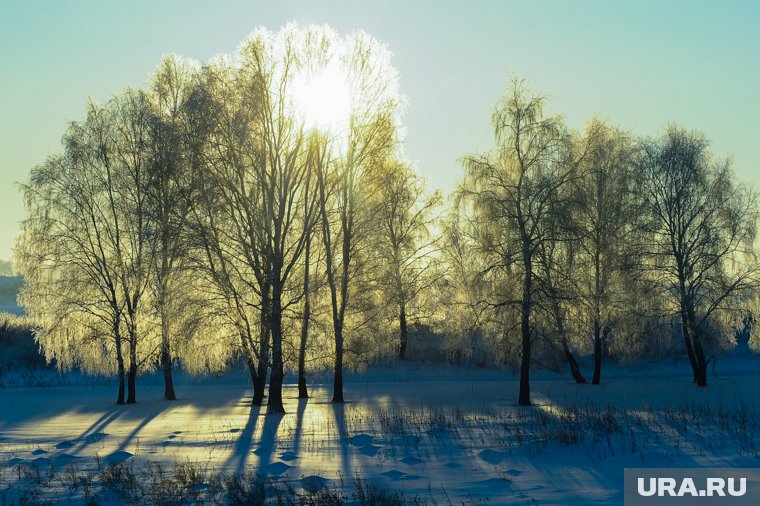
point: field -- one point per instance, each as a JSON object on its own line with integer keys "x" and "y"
{"x": 406, "y": 435}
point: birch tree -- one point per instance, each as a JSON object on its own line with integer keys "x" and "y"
{"x": 86, "y": 244}
{"x": 511, "y": 191}
{"x": 701, "y": 234}
{"x": 404, "y": 241}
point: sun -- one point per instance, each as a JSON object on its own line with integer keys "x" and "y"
{"x": 322, "y": 99}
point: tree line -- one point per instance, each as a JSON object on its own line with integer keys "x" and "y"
{"x": 203, "y": 221}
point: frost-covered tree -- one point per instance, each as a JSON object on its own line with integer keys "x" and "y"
{"x": 86, "y": 243}
{"x": 169, "y": 191}
{"x": 607, "y": 216}
{"x": 511, "y": 191}
{"x": 367, "y": 136}
{"x": 258, "y": 206}
{"x": 404, "y": 243}
{"x": 700, "y": 235}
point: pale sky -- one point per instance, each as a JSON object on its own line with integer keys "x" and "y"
{"x": 639, "y": 64}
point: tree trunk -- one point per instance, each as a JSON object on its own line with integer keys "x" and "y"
{"x": 276, "y": 378}
{"x": 260, "y": 378}
{"x": 166, "y": 359}
{"x": 700, "y": 372}
{"x": 250, "y": 362}
{"x": 303, "y": 392}
{"x": 575, "y": 371}
{"x": 264, "y": 339}
{"x": 132, "y": 372}
{"x": 120, "y": 365}
{"x": 403, "y": 331}
{"x": 258, "y": 396}
{"x": 338, "y": 380}
{"x": 524, "y": 397}
{"x": 597, "y": 354}
{"x": 685, "y": 319}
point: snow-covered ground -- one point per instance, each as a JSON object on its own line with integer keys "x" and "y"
{"x": 443, "y": 434}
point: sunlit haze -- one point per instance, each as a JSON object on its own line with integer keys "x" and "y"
{"x": 323, "y": 99}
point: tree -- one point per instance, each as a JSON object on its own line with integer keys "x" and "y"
{"x": 700, "y": 235}
{"x": 511, "y": 191}
{"x": 168, "y": 203}
{"x": 607, "y": 216}
{"x": 314, "y": 160}
{"x": 86, "y": 243}
{"x": 369, "y": 138}
{"x": 403, "y": 218}
{"x": 556, "y": 273}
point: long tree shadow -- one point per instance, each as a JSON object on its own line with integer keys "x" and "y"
{"x": 144, "y": 422}
{"x": 267, "y": 446}
{"x": 242, "y": 449}
{"x": 339, "y": 413}
{"x": 81, "y": 401}
{"x": 94, "y": 433}
{"x": 299, "y": 427}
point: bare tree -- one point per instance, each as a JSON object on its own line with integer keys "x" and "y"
{"x": 403, "y": 218}
{"x": 342, "y": 177}
{"x": 701, "y": 233}
{"x": 511, "y": 191}
{"x": 86, "y": 243}
{"x": 168, "y": 188}
{"x": 607, "y": 214}
{"x": 555, "y": 280}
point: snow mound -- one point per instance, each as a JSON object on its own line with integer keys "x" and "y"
{"x": 491, "y": 456}
{"x": 118, "y": 457}
{"x": 361, "y": 440}
{"x": 369, "y": 450}
{"x": 278, "y": 468}
{"x": 394, "y": 474}
{"x": 411, "y": 461}
{"x": 94, "y": 438}
{"x": 314, "y": 483}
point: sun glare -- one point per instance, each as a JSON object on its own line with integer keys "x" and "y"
{"x": 322, "y": 99}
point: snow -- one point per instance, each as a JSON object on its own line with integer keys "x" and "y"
{"x": 432, "y": 432}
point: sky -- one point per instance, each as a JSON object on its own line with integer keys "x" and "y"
{"x": 638, "y": 64}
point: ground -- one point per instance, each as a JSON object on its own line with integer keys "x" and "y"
{"x": 445, "y": 435}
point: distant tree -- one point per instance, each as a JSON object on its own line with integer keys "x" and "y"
{"x": 6, "y": 268}
{"x": 465, "y": 285}
{"x": 403, "y": 217}
{"x": 701, "y": 233}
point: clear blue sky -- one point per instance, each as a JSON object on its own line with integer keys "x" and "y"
{"x": 639, "y": 64}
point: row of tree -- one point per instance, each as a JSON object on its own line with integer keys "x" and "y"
{"x": 198, "y": 219}
{"x": 204, "y": 220}
{"x": 600, "y": 228}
